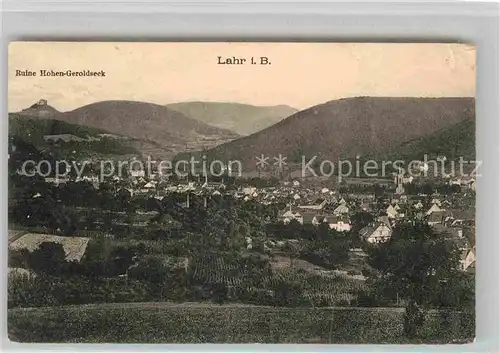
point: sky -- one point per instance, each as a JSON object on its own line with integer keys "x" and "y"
{"x": 299, "y": 74}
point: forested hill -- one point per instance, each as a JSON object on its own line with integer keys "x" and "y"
{"x": 345, "y": 128}
{"x": 89, "y": 143}
{"x": 453, "y": 142}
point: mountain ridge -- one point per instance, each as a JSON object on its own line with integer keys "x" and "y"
{"x": 242, "y": 118}
{"x": 348, "y": 127}
{"x": 172, "y": 130}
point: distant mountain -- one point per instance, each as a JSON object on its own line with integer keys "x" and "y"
{"x": 349, "y": 127}
{"x": 244, "y": 119}
{"x": 170, "y": 130}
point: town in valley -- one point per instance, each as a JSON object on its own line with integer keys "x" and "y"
{"x": 105, "y": 247}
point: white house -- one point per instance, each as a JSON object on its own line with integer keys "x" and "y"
{"x": 340, "y": 224}
{"x": 438, "y": 217}
{"x": 376, "y": 233}
{"x": 137, "y": 173}
{"x": 433, "y": 208}
{"x": 319, "y": 204}
{"x": 407, "y": 179}
{"x": 341, "y": 209}
{"x": 468, "y": 259}
{"x": 469, "y": 182}
{"x": 436, "y": 201}
{"x": 289, "y": 215}
{"x": 249, "y": 190}
{"x": 391, "y": 212}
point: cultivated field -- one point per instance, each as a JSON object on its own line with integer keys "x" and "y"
{"x": 210, "y": 323}
{"x": 321, "y": 288}
{"x": 74, "y": 247}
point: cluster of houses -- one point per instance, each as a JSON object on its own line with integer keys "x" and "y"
{"x": 316, "y": 214}
{"x": 457, "y": 225}
{"x": 309, "y": 205}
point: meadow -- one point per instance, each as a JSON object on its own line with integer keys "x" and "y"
{"x": 229, "y": 323}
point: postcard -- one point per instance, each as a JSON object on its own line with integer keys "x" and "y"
{"x": 240, "y": 192}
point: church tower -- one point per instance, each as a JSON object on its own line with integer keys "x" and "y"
{"x": 398, "y": 180}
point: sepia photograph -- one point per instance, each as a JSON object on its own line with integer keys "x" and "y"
{"x": 241, "y": 192}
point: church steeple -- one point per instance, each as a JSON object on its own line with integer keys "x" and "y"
{"x": 399, "y": 182}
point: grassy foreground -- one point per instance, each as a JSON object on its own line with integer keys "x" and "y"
{"x": 208, "y": 323}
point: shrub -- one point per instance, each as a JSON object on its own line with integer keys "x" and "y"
{"x": 48, "y": 258}
{"x": 45, "y": 290}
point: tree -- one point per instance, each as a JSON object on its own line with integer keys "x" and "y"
{"x": 122, "y": 199}
{"x": 288, "y": 293}
{"x": 427, "y": 189}
{"x": 326, "y": 253}
{"x": 360, "y": 220}
{"x": 19, "y": 258}
{"x": 293, "y": 229}
{"x": 154, "y": 269}
{"x": 219, "y": 293}
{"x": 63, "y": 221}
{"x": 455, "y": 189}
{"x": 379, "y": 191}
{"x": 413, "y": 265}
{"x": 49, "y": 258}
{"x": 323, "y": 232}
{"x": 122, "y": 258}
{"x": 91, "y": 219}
